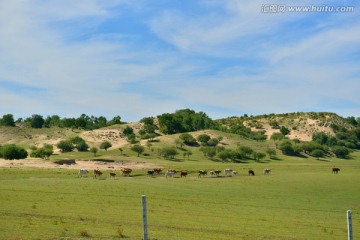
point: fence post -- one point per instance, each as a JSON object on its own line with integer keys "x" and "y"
{"x": 145, "y": 225}
{"x": 349, "y": 225}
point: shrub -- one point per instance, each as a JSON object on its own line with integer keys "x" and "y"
{"x": 340, "y": 152}
{"x": 11, "y": 152}
{"x": 105, "y": 145}
{"x": 65, "y": 146}
{"x": 318, "y": 153}
{"x": 188, "y": 139}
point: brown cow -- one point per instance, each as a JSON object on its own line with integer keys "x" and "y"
{"x": 251, "y": 172}
{"x": 183, "y": 174}
{"x": 157, "y": 170}
{"x": 335, "y": 170}
{"x": 126, "y": 171}
{"x": 112, "y": 175}
{"x": 97, "y": 173}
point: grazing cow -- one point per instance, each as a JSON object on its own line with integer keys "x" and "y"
{"x": 267, "y": 171}
{"x": 83, "y": 172}
{"x": 151, "y": 172}
{"x": 212, "y": 173}
{"x": 157, "y": 170}
{"x": 97, "y": 173}
{"x": 112, "y": 175}
{"x": 202, "y": 173}
{"x": 183, "y": 174}
{"x": 228, "y": 172}
{"x": 234, "y": 173}
{"x": 251, "y": 173}
{"x": 126, "y": 171}
{"x": 335, "y": 170}
{"x": 217, "y": 173}
{"x": 169, "y": 174}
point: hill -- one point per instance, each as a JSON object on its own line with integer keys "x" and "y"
{"x": 302, "y": 126}
{"x": 253, "y": 132}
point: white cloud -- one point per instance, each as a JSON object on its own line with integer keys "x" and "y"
{"x": 231, "y": 60}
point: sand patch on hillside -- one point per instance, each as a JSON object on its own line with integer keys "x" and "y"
{"x": 40, "y": 163}
{"x": 96, "y": 137}
{"x": 302, "y": 129}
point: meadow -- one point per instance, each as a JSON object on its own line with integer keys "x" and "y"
{"x": 300, "y": 199}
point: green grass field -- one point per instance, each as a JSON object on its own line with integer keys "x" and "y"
{"x": 300, "y": 199}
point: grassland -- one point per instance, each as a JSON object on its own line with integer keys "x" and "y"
{"x": 300, "y": 199}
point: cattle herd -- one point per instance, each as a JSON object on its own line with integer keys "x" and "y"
{"x": 170, "y": 173}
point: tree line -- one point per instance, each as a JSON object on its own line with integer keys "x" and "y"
{"x": 82, "y": 122}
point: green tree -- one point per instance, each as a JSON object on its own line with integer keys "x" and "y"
{"x": 131, "y": 138}
{"x": 12, "y": 151}
{"x": 213, "y": 142}
{"x": 148, "y": 144}
{"x": 340, "y": 151}
{"x": 318, "y": 153}
{"x": 320, "y": 137}
{"x": 179, "y": 143}
{"x": 245, "y": 151}
{"x": 270, "y": 152}
{"x": 147, "y": 121}
{"x": 188, "y": 154}
{"x": 105, "y": 145}
{"x": 128, "y": 130}
{"x": 7, "y": 120}
{"x": 94, "y": 150}
{"x": 188, "y": 139}
{"x": 79, "y": 143}
{"x": 44, "y": 152}
{"x": 168, "y": 152}
{"x": 37, "y": 121}
{"x": 285, "y": 131}
{"x": 65, "y": 146}
{"x": 115, "y": 120}
{"x": 138, "y": 149}
{"x": 277, "y": 136}
{"x": 53, "y": 121}
{"x": 224, "y": 155}
{"x": 203, "y": 138}
{"x": 287, "y": 148}
{"x": 149, "y": 136}
{"x": 258, "y": 155}
{"x": 149, "y": 128}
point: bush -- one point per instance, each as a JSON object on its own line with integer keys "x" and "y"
{"x": 287, "y": 148}
{"x": 168, "y": 152}
{"x": 45, "y": 152}
{"x": 65, "y": 146}
{"x": 105, "y": 145}
{"x": 188, "y": 139}
{"x": 340, "y": 152}
{"x": 11, "y": 152}
{"x": 318, "y": 153}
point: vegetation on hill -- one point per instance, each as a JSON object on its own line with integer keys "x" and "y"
{"x": 38, "y": 121}
{"x": 294, "y": 134}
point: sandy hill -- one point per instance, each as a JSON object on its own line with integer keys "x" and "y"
{"x": 301, "y": 125}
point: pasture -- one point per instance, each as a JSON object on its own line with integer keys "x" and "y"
{"x": 299, "y": 199}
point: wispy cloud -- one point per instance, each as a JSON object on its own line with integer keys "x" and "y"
{"x": 137, "y": 59}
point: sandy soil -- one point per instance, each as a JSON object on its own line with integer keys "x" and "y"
{"x": 39, "y": 163}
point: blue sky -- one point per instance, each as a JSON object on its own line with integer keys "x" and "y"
{"x": 147, "y": 57}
